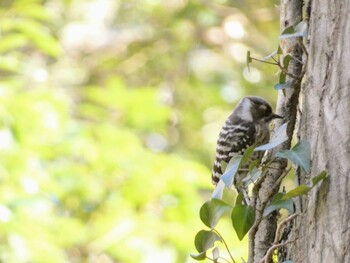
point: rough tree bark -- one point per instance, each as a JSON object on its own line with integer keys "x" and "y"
{"x": 262, "y": 234}
{"x": 323, "y": 231}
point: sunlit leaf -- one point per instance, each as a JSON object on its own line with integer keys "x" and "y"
{"x": 219, "y": 190}
{"x": 231, "y": 170}
{"x": 300, "y": 190}
{"x": 12, "y": 41}
{"x": 270, "y": 55}
{"x": 279, "y": 137}
{"x": 37, "y": 34}
{"x": 281, "y": 86}
{"x": 299, "y": 31}
{"x": 211, "y": 212}
{"x": 252, "y": 176}
{"x": 32, "y": 10}
{"x": 243, "y": 218}
{"x": 300, "y": 154}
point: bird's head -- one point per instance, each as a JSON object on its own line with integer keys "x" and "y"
{"x": 255, "y": 109}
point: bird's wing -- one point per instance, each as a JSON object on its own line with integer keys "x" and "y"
{"x": 233, "y": 139}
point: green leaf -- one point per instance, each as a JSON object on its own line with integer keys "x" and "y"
{"x": 205, "y": 240}
{"x": 282, "y": 77}
{"x": 12, "y": 41}
{"x": 243, "y": 218}
{"x": 239, "y": 198}
{"x": 299, "y": 31}
{"x": 200, "y": 256}
{"x": 247, "y": 153}
{"x": 211, "y": 212}
{"x": 300, "y": 190}
{"x": 219, "y": 190}
{"x": 216, "y": 253}
{"x": 281, "y": 86}
{"x": 279, "y": 50}
{"x": 300, "y": 154}
{"x": 252, "y": 176}
{"x": 319, "y": 178}
{"x": 278, "y": 203}
{"x": 231, "y": 170}
{"x": 253, "y": 164}
{"x": 297, "y": 34}
{"x": 38, "y": 34}
{"x": 270, "y": 56}
{"x": 288, "y": 30}
{"x": 287, "y": 58}
{"x": 279, "y": 137}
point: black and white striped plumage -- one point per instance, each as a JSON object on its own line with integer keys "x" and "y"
{"x": 246, "y": 126}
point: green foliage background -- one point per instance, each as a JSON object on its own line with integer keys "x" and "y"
{"x": 109, "y": 112}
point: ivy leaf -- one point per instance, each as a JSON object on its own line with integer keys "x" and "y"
{"x": 253, "y": 164}
{"x": 243, "y": 218}
{"x": 231, "y": 170}
{"x": 248, "y": 59}
{"x": 247, "y": 153}
{"x": 299, "y": 31}
{"x": 278, "y": 203}
{"x": 288, "y": 30}
{"x": 252, "y": 176}
{"x": 282, "y": 78}
{"x": 285, "y": 85}
{"x": 287, "y": 58}
{"x": 279, "y": 50}
{"x": 300, "y": 190}
{"x": 270, "y": 55}
{"x": 211, "y": 211}
{"x": 297, "y": 34}
{"x": 205, "y": 240}
{"x": 216, "y": 254}
{"x": 239, "y": 198}
{"x": 319, "y": 178}
{"x": 219, "y": 190}
{"x": 300, "y": 154}
{"x": 200, "y": 256}
{"x": 279, "y": 137}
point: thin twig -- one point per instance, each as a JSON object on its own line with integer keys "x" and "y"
{"x": 263, "y": 61}
{"x": 224, "y": 259}
{"x": 225, "y": 244}
{"x": 281, "y": 224}
{"x": 285, "y": 71}
{"x": 303, "y": 47}
{"x": 269, "y": 252}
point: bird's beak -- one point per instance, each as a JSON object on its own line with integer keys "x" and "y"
{"x": 276, "y": 116}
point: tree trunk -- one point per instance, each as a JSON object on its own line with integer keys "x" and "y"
{"x": 322, "y": 233}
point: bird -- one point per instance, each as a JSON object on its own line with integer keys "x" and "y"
{"x": 247, "y": 125}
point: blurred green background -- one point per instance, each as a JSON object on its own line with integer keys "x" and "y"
{"x": 109, "y": 114}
